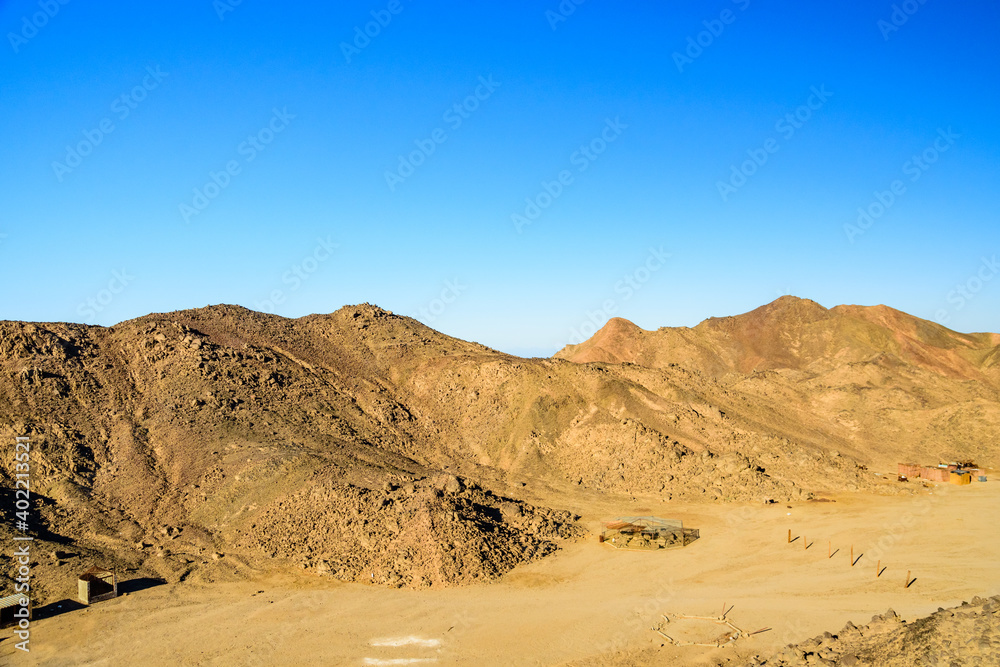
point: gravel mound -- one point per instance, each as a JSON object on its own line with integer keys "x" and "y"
{"x": 965, "y": 635}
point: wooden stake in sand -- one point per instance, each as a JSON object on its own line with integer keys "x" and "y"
{"x": 852, "y": 555}
{"x": 906, "y": 584}
{"x": 789, "y": 535}
{"x": 805, "y": 542}
{"x": 878, "y": 566}
{"x": 829, "y": 549}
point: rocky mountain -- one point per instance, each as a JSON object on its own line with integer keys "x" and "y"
{"x": 874, "y": 379}
{"x": 362, "y": 445}
{"x": 798, "y": 334}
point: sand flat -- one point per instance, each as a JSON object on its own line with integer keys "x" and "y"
{"x": 588, "y": 602}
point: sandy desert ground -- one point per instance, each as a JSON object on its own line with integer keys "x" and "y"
{"x": 587, "y": 605}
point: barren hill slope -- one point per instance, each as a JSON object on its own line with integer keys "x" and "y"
{"x": 892, "y": 385}
{"x": 228, "y": 438}
{"x": 797, "y": 334}
{"x": 212, "y": 443}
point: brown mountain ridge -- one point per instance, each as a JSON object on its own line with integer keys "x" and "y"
{"x": 219, "y": 442}
{"x": 797, "y": 334}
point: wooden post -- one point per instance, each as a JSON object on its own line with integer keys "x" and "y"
{"x": 805, "y": 542}
{"x": 906, "y": 584}
{"x": 852, "y": 555}
{"x": 878, "y": 566}
{"x": 789, "y": 535}
{"x": 829, "y": 548}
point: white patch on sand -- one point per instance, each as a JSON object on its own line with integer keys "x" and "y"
{"x": 407, "y": 641}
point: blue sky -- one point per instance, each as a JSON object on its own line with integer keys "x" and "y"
{"x": 663, "y": 162}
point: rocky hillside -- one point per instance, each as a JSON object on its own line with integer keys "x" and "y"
{"x": 222, "y": 441}
{"x": 362, "y": 445}
{"x": 965, "y": 635}
{"x": 886, "y": 383}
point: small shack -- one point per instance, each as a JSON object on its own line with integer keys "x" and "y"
{"x": 954, "y": 473}
{"x": 935, "y": 474}
{"x": 648, "y": 533}
{"x": 959, "y": 477}
{"x": 97, "y": 584}
{"x": 11, "y": 605}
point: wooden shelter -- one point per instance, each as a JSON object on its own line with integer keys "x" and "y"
{"x": 97, "y": 584}
{"x": 959, "y": 477}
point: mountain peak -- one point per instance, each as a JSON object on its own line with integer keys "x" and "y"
{"x": 794, "y": 333}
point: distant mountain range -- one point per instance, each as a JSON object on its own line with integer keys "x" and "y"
{"x": 798, "y": 334}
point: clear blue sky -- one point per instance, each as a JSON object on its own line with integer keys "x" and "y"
{"x": 104, "y": 226}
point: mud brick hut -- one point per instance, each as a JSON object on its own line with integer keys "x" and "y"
{"x": 935, "y": 474}
{"x": 97, "y": 584}
{"x": 11, "y": 605}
